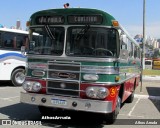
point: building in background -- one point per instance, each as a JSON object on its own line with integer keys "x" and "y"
{"x": 18, "y": 24}
{"x": 152, "y": 45}
{"x": 1, "y": 26}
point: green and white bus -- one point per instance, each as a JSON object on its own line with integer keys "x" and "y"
{"x": 83, "y": 60}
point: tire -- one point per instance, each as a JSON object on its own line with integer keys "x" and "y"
{"x": 111, "y": 117}
{"x": 18, "y": 77}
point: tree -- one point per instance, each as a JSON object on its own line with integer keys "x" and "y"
{"x": 156, "y": 53}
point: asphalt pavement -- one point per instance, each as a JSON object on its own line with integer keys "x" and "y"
{"x": 149, "y": 88}
{"x": 145, "y": 107}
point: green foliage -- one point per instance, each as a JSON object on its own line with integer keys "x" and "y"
{"x": 151, "y": 72}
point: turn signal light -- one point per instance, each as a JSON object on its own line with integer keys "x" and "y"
{"x": 115, "y": 23}
{"x": 117, "y": 78}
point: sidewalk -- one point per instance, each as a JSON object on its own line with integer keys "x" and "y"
{"x": 146, "y": 77}
{"x": 149, "y": 88}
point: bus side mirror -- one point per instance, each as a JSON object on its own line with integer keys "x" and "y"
{"x": 23, "y": 49}
{"x": 123, "y": 39}
{"x": 124, "y": 54}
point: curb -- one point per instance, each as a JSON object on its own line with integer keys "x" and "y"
{"x": 147, "y": 97}
{"x": 150, "y": 77}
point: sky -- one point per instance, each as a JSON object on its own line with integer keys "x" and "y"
{"x": 129, "y": 13}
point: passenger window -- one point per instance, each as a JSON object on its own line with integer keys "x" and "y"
{"x": 130, "y": 48}
{"x": 9, "y": 40}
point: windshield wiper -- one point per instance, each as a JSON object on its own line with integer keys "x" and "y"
{"x": 82, "y": 32}
{"x": 48, "y": 30}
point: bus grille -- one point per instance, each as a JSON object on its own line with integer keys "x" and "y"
{"x": 63, "y": 88}
{"x": 63, "y": 78}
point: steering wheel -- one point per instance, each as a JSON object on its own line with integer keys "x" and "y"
{"x": 102, "y": 50}
{"x": 87, "y": 50}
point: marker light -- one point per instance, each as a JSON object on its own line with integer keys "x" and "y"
{"x": 115, "y": 23}
{"x": 117, "y": 78}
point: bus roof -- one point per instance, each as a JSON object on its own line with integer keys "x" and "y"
{"x": 107, "y": 18}
{"x": 44, "y": 17}
{"x": 16, "y": 31}
{"x": 13, "y": 30}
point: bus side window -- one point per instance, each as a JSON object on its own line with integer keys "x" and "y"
{"x": 124, "y": 42}
{"x": 139, "y": 53}
{"x": 9, "y": 40}
{"x": 14, "y": 42}
{"x": 25, "y": 42}
{"x": 130, "y": 48}
{"x": 123, "y": 46}
{"x": 19, "y": 42}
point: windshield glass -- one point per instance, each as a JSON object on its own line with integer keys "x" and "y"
{"x": 92, "y": 41}
{"x": 49, "y": 41}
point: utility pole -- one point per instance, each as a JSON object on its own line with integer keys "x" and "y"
{"x": 144, "y": 31}
{"x": 144, "y": 40}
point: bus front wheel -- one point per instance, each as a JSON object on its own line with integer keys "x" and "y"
{"x": 18, "y": 77}
{"x": 111, "y": 117}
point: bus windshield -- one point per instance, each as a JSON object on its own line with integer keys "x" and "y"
{"x": 50, "y": 41}
{"x": 86, "y": 41}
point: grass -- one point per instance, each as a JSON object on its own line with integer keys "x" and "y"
{"x": 151, "y": 72}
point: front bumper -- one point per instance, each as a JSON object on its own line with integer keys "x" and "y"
{"x": 86, "y": 105}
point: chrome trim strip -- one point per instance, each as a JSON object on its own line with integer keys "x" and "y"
{"x": 63, "y": 80}
{"x": 66, "y": 58}
{"x": 84, "y": 68}
{"x": 67, "y": 89}
{"x": 103, "y": 106}
{"x": 99, "y": 69}
{"x": 63, "y": 70}
{"x": 100, "y": 83}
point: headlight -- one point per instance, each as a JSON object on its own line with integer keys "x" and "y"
{"x": 32, "y": 86}
{"x": 97, "y": 92}
{"x": 92, "y": 77}
{"x": 27, "y": 86}
{"x": 36, "y": 86}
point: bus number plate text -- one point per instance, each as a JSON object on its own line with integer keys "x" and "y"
{"x": 59, "y": 102}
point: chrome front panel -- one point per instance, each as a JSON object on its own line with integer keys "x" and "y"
{"x": 86, "y": 105}
{"x": 63, "y": 78}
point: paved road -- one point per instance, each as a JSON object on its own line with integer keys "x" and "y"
{"x": 146, "y": 105}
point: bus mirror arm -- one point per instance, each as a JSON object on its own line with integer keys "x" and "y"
{"x": 123, "y": 39}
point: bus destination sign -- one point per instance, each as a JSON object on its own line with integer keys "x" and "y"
{"x": 85, "y": 19}
{"x": 49, "y": 20}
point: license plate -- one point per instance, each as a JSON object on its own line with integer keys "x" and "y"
{"x": 59, "y": 102}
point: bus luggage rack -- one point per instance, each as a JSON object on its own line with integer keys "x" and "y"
{"x": 63, "y": 78}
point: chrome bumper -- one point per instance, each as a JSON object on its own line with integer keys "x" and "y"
{"x": 86, "y": 105}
